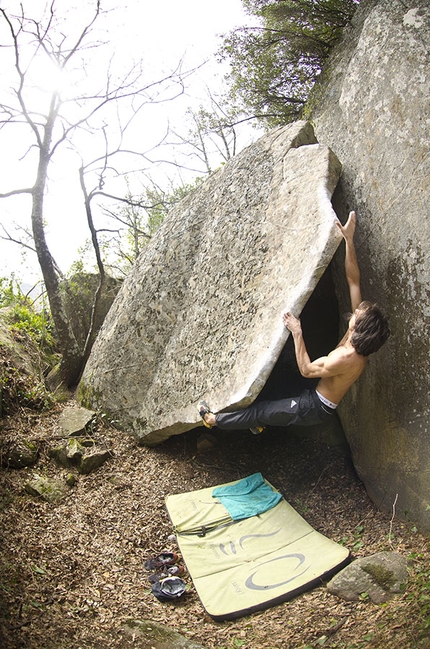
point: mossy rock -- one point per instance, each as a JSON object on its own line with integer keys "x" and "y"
{"x": 93, "y": 461}
{"x": 18, "y": 455}
{"x": 53, "y": 491}
{"x": 148, "y": 634}
{"x": 69, "y": 454}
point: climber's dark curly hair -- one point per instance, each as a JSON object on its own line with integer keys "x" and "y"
{"x": 371, "y": 329}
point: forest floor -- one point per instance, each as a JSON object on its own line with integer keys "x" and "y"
{"x": 72, "y": 574}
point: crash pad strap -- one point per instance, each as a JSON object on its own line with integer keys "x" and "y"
{"x": 204, "y": 528}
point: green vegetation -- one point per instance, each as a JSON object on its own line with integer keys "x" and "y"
{"x": 31, "y": 330}
{"x": 419, "y": 593}
{"x": 275, "y": 65}
{"x": 24, "y": 318}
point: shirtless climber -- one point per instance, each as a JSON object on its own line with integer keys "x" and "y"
{"x": 367, "y": 331}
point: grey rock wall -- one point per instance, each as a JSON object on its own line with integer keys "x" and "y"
{"x": 374, "y": 112}
{"x": 200, "y": 315}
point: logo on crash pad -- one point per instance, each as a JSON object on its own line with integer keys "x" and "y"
{"x": 250, "y": 582}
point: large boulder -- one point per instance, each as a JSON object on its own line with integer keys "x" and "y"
{"x": 199, "y": 317}
{"x": 374, "y": 112}
{"x": 79, "y": 292}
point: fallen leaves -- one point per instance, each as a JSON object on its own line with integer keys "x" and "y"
{"x": 75, "y": 570}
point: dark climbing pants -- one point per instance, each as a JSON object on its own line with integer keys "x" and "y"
{"x": 305, "y": 410}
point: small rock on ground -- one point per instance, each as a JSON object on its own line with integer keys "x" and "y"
{"x": 147, "y": 634}
{"x": 380, "y": 576}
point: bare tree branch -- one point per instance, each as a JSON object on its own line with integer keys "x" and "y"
{"x": 89, "y": 112}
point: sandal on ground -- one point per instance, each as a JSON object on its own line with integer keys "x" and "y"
{"x": 168, "y": 571}
{"x": 169, "y": 589}
{"x": 204, "y": 410}
{"x": 164, "y": 559}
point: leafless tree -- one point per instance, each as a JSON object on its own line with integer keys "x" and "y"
{"x": 212, "y": 135}
{"x": 104, "y": 112}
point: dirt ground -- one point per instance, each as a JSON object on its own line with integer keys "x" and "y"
{"x": 72, "y": 574}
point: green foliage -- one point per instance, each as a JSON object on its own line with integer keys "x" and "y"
{"x": 32, "y": 330}
{"x": 274, "y": 65}
{"x": 24, "y": 318}
{"x": 10, "y": 292}
{"x": 19, "y": 389}
{"x": 358, "y": 538}
{"x": 419, "y": 593}
{"x": 37, "y": 325}
{"x": 238, "y": 643}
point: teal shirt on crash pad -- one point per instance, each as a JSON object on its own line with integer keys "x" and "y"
{"x": 248, "y": 497}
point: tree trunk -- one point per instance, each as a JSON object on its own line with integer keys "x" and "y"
{"x": 72, "y": 359}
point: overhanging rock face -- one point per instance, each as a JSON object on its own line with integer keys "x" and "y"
{"x": 375, "y": 114}
{"x": 200, "y": 315}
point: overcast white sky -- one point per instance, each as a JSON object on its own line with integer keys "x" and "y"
{"x": 160, "y": 33}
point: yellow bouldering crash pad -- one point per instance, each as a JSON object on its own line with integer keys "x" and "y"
{"x": 241, "y": 566}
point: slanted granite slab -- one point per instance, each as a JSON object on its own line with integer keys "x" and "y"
{"x": 199, "y": 316}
